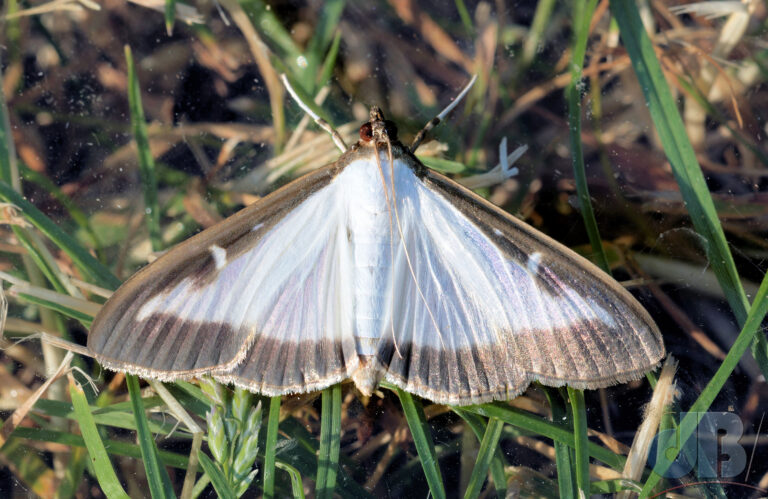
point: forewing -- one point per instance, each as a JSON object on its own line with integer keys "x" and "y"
{"x": 484, "y": 305}
{"x": 201, "y": 306}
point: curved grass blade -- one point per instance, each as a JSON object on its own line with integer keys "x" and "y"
{"x": 270, "y": 446}
{"x": 488, "y": 447}
{"x": 146, "y": 160}
{"x": 478, "y": 426}
{"x": 84, "y": 261}
{"x": 422, "y": 438}
{"x": 330, "y": 440}
{"x": 581, "y": 454}
{"x": 218, "y": 480}
{"x": 689, "y": 423}
{"x": 102, "y": 466}
{"x": 297, "y": 486}
{"x": 159, "y": 482}
{"x": 685, "y": 166}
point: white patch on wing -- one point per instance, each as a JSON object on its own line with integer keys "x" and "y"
{"x": 219, "y": 255}
{"x": 534, "y": 260}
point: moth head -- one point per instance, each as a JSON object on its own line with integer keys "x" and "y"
{"x": 378, "y": 129}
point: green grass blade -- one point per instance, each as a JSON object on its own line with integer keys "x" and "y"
{"x": 84, "y": 261}
{"x": 443, "y": 165}
{"x": 566, "y": 482}
{"x": 146, "y": 160}
{"x": 170, "y": 15}
{"x": 218, "y": 480}
{"x": 74, "y": 211}
{"x": 8, "y": 169}
{"x": 270, "y": 446}
{"x": 541, "y": 19}
{"x": 117, "y": 415}
{"x": 478, "y": 426}
{"x": 581, "y": 453}
{"x": 272, "y": 29}
{"x": 685, "y": 167}
{"x": 73, "y": 474}
{"x": 466, "y": 18}
{"x": 541, "y": 426}
{"x": 33, "y": 471}
{"x": 105, "y": 474}
{"x": 330, "y": 61}
{"x": 582, "y": 16}
{"x": 690, "y": 421}
{"x": 326, "y": 26}
{"x": 320, "y": 41}
{"x": 85, "y": 319}
{"x": 486, "y": 453}
{"x": 422, "y": 438}
{"x": 613, "y": 486}
{"x": 115, "y": 447}
{"x": 330, "y": 440}
{"x": 46, "y": 266}
{"x": 297, "y": 485}
{"x": 159, "y": 482}
{"x": 721, "y": 119}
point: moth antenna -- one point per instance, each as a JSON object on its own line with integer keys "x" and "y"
{"x": 402, "y": 240}
{"x": 320, "y": 121}
{"x": 434, "y": 121}
{"x": 391, "y": 242}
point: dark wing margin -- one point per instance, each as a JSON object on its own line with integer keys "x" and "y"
{"x": 611, "y": 340}
{"x": 169, "y": 346}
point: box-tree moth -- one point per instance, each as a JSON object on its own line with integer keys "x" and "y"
{"x": 371, "y": 268}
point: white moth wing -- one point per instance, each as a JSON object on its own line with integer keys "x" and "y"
{"x": 483, "y": 304}
{"x": 250, "y": 280}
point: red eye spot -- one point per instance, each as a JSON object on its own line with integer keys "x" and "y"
{"x": 366, "y": 132}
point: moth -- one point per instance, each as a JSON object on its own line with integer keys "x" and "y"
{"x": 376, "y": 268}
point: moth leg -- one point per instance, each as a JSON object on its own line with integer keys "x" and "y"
{"x": 434, "y": 121}
{"x": 320, "y": 121}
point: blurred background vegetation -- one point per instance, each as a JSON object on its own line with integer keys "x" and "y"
{"x": 220, "y": 132}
